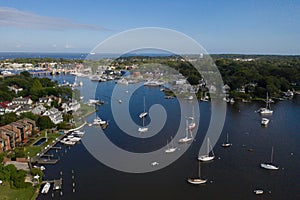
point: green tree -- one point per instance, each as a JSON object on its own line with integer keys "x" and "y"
{"x": 44, "y": 122}
{"x": 29, "y": 115}
{"x": 25, "y": 74}
{"x": 7, "y": 118}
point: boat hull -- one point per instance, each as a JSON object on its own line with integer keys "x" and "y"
{"x": 185, "y": 140}
{"x": 197, "y": 181}
{"x": 226, "y": 145}
{"x": 170, "y": 150}
{"x": 142, "y": 130}
{"x": 144, "y": 114}
{"x": 206, "y": 158}
{"x": 269, "y": 166}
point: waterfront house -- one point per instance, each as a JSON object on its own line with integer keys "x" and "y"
{"x": 70, "y": 106}
{"x": 226, "y": 88}
{"x": 55, "y": 115}
{"x": 179, "y": 82}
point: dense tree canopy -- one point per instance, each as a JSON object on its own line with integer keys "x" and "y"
{"x": 33, "y": 87}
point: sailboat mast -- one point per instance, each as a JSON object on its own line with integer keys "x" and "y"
{"x": 144, "y": 104}
{"x": 199, "y": 175}
{"x": 207, "y": 146}
{"x": 272, "y": 154}
{"x": 268, "y": 102}
{"x": 227, "y": 138}
{"x": 187, "y": 129}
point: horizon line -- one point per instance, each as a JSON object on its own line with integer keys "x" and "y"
{"x": 215, "y": 53}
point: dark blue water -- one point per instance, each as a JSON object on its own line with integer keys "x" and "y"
{"x": 11, "y": 55}
{"x": 39, "y": 142}
{"x": 234, "y": 174}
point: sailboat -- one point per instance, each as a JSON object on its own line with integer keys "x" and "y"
{"x": 171, "y": 148}
{"x": 197, "y": 181}
{"x": 267, "y": 110}
{"x": 192, "y": 125}
{"x": 270, "y": 166}
{"x": 143, "y": 129}
{"x": 144, "y": 114}
{"x": 226, "y": 144}
{"x": 186, "y": 138}
{"x": 207, "y": 156}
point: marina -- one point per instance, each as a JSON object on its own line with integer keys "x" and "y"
{"x": 246, "y": 134}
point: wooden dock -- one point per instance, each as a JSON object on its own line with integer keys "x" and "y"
{"x": 57, "y": 184}
{"x": 38, "y": 159}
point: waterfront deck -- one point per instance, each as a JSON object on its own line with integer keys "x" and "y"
{"x": 38, "y": 158}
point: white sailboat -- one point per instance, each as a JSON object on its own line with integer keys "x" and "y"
{"x": 198, "y": 180}
{"x": 143, "y": 129}
{"x": 192, "y": 125}
{"x": 270, "y": 166}
{"x": 171, "y": 148}
{"x": 267, "y": 110}
{"x": 207, "y": 156}
{"x": 186, "y": 138}
{"x": 227, "y": 143}
{"x": 144, "y": 114}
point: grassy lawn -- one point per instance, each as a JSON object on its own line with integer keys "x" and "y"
{"x": 33, "y": 150}
{"x": 6, "y": 193}
{"x": 82, "y": 113}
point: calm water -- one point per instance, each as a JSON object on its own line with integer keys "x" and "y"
{"x": 234, "y": 174}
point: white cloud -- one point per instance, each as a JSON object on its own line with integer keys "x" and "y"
{"x": 16, "y": 18}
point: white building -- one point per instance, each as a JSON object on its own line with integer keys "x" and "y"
{"x": 38, "y": 110}
{"x": 22, "y": 101}
{"x": 55, "y": 115}
{"x": 71, "y": 106}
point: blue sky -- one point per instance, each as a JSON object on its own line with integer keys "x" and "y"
{"x": 256, "y": 26}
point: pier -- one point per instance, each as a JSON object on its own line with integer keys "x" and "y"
{"x": 57, "y": 183}
{"x": 38, "y": 159}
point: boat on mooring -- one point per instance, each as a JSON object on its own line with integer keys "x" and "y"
{"x": 187, "y": 138}
{"x": 270, "y": 165}
{"x": 198, "y": 180}
{"x": 46, "y": 188}
{"x": 227, "y": 143}
{"x": 208, "y": 156}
